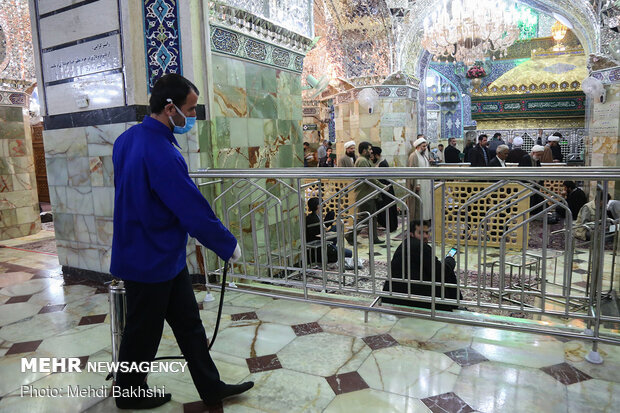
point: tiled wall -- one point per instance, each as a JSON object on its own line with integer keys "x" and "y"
{"x": 392, "y": 126}
{"x": 81, "y": 184}
{"x": 256, "y": 111}
{"x": 19, "y": 205}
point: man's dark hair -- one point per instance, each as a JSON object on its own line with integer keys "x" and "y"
{"x": 313, "y": 204}
{"x": 497, "y": 135}
{"x": 558, "y": 134}
{"x": 170, "y": 86}
{"x": 306, "y": 144}
{"x": 440, "y": 145}
{"x": 376, "y": 150}
{"x": 415, "y": 223}
{"x": 363, "y": 146}
{"x": 481, "y": 137}
{"x": 570, "y": 185}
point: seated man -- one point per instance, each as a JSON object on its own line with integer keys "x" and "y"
{"x": 575, "y": 198}
{"x": 418, "y": 239}
{"x": 313, "y": 231}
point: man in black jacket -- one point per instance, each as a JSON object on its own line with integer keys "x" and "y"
{"x": 479, "y": 155}
{"x": 451, "y": 154}
{"x": 501, "y": 154}
{"x": 575, "y": 198}
{"x": 418, "y": 240}
{"x": 516, "y": 153}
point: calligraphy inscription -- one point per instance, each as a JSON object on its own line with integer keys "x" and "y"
{"x": 82, "y": 59}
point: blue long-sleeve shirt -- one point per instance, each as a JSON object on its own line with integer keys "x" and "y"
{"x": 156, "y": 204}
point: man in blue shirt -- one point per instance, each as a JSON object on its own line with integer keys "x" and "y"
{"x": 156, "y": 205}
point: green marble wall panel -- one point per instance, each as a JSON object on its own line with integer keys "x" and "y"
{"x": 19, "y": 204}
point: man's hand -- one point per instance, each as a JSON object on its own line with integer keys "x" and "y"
{"x": 236, "y": 254}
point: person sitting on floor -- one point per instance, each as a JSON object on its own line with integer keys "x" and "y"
{"x": 313, "y": 230}
{"x": 418, "y": 239}
{"x": 575, "y": 198}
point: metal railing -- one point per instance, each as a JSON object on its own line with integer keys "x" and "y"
{"x": 507, "y": 249}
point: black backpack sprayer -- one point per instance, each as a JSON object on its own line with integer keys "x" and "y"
{"x": 118, "y": 313}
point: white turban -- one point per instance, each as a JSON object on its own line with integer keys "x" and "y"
{"x": 553, "y": 138}
{"x": 419, "y": 142}
{"x": 518, "y": 141}
{"x": 538, "y": 148}
{"x": 349, "y": 144}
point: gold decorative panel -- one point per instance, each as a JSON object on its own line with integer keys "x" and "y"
{"x": 472, "y": 216}
{"x": 329, "y": 188}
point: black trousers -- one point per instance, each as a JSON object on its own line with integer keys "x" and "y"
{"x": 148, "y": 305}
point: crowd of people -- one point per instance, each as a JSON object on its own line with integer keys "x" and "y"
{"x": 485, "y": 153}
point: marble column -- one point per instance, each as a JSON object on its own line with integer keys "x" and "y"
{"x": 391, "y": 125}
{"x": 604, "y": 125}
{"x": 19, "y": 204}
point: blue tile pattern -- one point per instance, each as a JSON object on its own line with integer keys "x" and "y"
{"x": 162, "y": 39}
{"x": 255, "y": 50}
{"x": 229, "y": 42}
{"x": 281, "y": 57}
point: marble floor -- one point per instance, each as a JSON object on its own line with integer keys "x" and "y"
{"x": 303, "y": 357}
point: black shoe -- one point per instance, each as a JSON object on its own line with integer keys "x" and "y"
{"x": 349, "y": 239}
{"x": 378, "y": 241}
{"x": 142, "y": 403}
{"x": 228, "y": 390}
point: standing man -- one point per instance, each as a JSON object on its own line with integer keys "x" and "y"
{"x": 440, "y": 153}
{"x": 348, "y": 160}
{"x": 451, "y": 154}
{"x": 156, "y": 205}
{"x": 516, "y": 153}
{"x": 495, "y": 142}
{"x": 364, "y": 189}
{"x": 533, "y": 159}
{"x": 422, "y": 187}
{"x": 392, "y": 222}
{"x": 553, "y": 152}
{"x": 500, "y": 156}
{"x": 479, "y": 155}
{"x": 322, "y": 150}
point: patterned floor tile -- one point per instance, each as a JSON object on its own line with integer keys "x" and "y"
{"x": 283, "y": 391}
{"x": 244, "y": 316}
{"x": 307, "y": 328}
{"x": 371, "y": 400}
{"x": 565, "y": 373}
{"x": 52, "y": 308}
{"x": 10, "y": 278}
{"x": 324, "y": 354}
{"x": 380, "y": 341}
{"x": 291, "y": 312}
{"x": 426, "y": 373}
{"x": 92, "y": 319}
{"x": 466, "y": 356}
{"x": 25, "y": 347}
{"x": 263, "y": 363}
{"x": 447, "y": 403}
{"x": 346, "y": 382}
{"x": 18, "y": 299}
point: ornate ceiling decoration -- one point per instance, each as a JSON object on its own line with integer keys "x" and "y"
{"x": 378, "y": 37}
{"x": 16, "y": 52}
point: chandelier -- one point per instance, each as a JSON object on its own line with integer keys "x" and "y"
{"x": 472, "y": 30}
